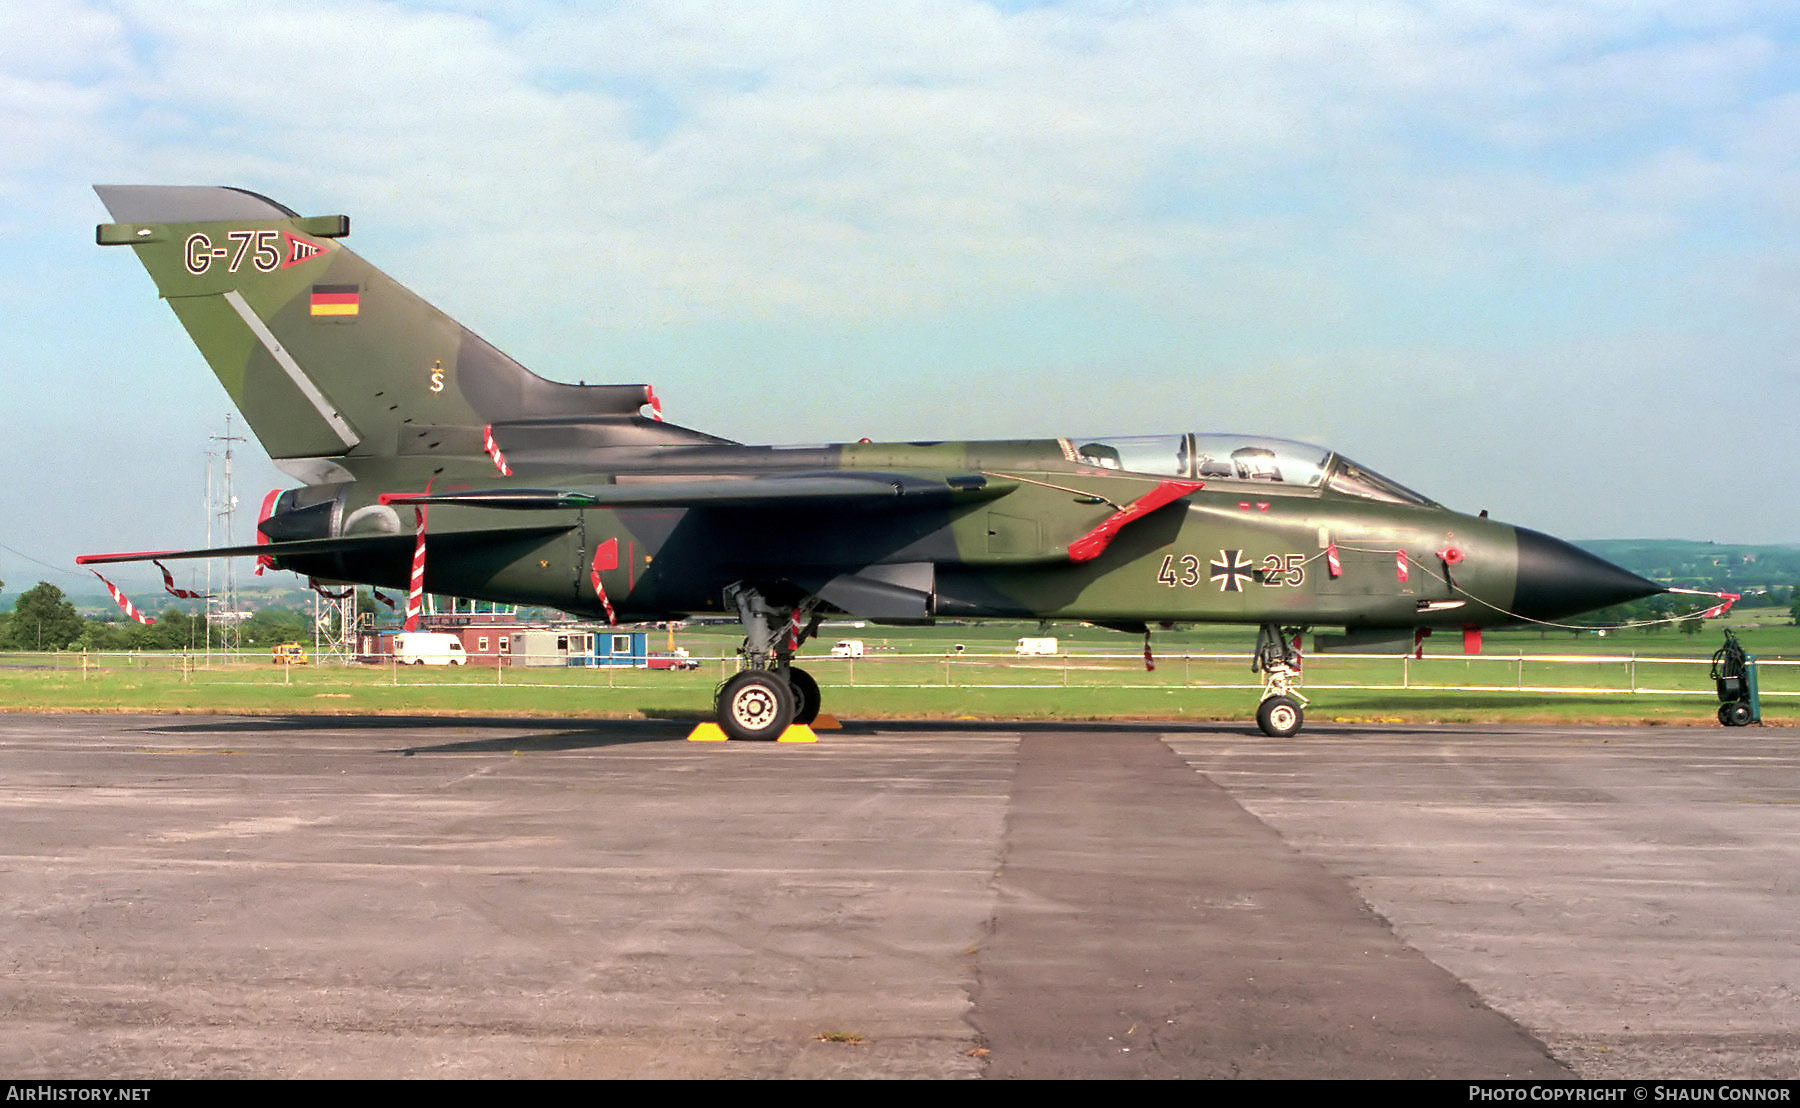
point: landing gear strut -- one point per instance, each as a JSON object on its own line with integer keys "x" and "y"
{"x": 1283, "y": 708}
{"x": 760, "y": 701}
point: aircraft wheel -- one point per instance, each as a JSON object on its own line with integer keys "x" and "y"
{"x": 1735, "y": 714}
{"x": 806, "y": 695}
{"x": 755, "y": 704}
{"x": 1279, "y": 717}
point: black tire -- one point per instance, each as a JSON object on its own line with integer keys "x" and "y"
{"x": 755, "y": 705}
{"x": 806, "y": 695}
{"x": 1280, "y": 717}
{"x": 1735, "y": 715}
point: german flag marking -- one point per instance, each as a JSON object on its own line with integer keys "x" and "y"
{"x": 336, "y": 300}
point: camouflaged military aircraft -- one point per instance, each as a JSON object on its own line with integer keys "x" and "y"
{"x": 405, "y": 427}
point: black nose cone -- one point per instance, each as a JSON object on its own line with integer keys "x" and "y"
{"x": 1557, "y": 580}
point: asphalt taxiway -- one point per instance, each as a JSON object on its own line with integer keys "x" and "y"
{"x": 194, "y": 896}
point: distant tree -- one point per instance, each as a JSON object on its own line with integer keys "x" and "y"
{"x": 43, "y": 619}
{"x": 173, "y": 630}
{"x": 366, "y": 604}
{"x": 274, "y": 625}
{"x": 1794, "y": 610}
{"x": 1691, "y": 623}
{"x": 101, "y": 635}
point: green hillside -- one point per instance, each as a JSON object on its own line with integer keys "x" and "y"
{"x": 1764, "y": 575}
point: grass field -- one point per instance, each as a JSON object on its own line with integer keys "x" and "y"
{"x": 972, "y": 672}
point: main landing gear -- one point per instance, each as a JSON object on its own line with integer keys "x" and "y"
{"x": 1283, "y": 708}
{"x": 760, "y": 701}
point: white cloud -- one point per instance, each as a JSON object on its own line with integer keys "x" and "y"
{"x": 902, "y": 158}
{"x": 1158, "y": 191}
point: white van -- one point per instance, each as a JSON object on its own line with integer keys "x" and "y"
{"x": 848, "y": 648}
{"x": 1031, "y": 646}
{"x": 429, "y": 648}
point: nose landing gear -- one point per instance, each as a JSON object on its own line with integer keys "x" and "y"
{"x": 1282, "y": 711}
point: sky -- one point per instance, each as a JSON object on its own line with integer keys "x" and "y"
{"x": 1535, "y": 256}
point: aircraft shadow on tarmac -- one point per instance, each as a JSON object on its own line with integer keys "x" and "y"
{"x": 532, "y": 734}
{"x": 566, "y": 735}
{"x": 547, "y": 742}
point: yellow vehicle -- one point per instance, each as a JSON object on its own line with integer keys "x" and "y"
{"x": 290, "y": 653}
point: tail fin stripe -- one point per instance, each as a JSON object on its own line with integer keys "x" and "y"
{"x": 292, "y": 368}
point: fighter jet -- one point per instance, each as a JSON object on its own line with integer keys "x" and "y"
{"x": 430, "y": 461}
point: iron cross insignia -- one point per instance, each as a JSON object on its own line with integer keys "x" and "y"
{"x": 1231, "y": 571}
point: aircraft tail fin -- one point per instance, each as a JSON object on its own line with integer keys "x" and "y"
{"x": 329, "y": 358}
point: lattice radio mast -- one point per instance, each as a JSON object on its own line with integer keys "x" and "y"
{"x": 222, "y": 610}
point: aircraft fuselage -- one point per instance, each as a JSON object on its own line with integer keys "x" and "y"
{"x": 1242, "y": 548}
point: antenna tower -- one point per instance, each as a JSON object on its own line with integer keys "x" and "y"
{"x": 222, "y": 616}
{"x": 334, "y": 627}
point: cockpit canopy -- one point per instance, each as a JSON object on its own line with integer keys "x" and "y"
{"x": 1246, "y": 458}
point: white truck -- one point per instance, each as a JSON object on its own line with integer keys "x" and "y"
{"x": 1035, "y": 646}
{"x": 429, "y": 648}
{"x": 848, "y": 648}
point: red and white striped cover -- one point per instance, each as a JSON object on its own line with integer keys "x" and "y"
{"x": 415, "y": 596}
{"x": 125, "y": 605}
{"x": 606, "y": 557}
{"x": 493, "y": 449}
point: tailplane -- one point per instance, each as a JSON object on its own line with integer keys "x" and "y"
{"x": 331, "y": 360}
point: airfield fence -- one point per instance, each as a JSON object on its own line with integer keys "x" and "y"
{"x": 1486, "y": 673}
{"x": 1522, "y": 673}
